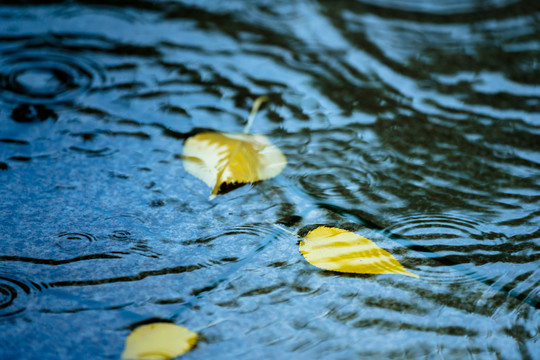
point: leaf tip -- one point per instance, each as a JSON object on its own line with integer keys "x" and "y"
{"x": 405, "y": 272}
{"x": 408, "y": 273}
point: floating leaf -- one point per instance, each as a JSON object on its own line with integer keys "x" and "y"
{"x": 228, "y": 159}
{"x": 158, "y": 341}
{"x": 335, "y": 249}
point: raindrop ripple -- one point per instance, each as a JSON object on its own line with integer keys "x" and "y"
{"x": 14, "y": 295}
{"x": 449, "y": 239}
{"x": 44, "y": 76}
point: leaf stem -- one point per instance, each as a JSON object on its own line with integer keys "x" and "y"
{"x": 213, "y": 323}
{"x": 256, "y": 105}
{"x": 283, "y": 229}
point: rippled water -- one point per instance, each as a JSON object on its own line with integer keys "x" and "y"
{"x": 414, "y": 123}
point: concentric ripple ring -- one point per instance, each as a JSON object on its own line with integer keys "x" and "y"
{"x": 44, "y": 76}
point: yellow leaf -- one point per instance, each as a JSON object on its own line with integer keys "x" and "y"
{"x": 158, "y": 341}
{"x": 231, "y": 158}
{"x": 339, "y": 250}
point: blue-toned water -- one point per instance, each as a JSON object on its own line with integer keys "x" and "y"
{"x": 413, "y": 123}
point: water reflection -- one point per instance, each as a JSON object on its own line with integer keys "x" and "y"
{"x": 417, "y": 121}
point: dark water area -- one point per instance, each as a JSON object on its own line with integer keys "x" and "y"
{"x": 415, "y": 122}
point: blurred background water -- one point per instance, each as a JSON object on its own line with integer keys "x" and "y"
{"x": 415, "y": 122}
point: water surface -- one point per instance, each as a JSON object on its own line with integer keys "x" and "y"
{"x": 416, "y": 123}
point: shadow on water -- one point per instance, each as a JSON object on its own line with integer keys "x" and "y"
{"x": 415, "y": 123}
